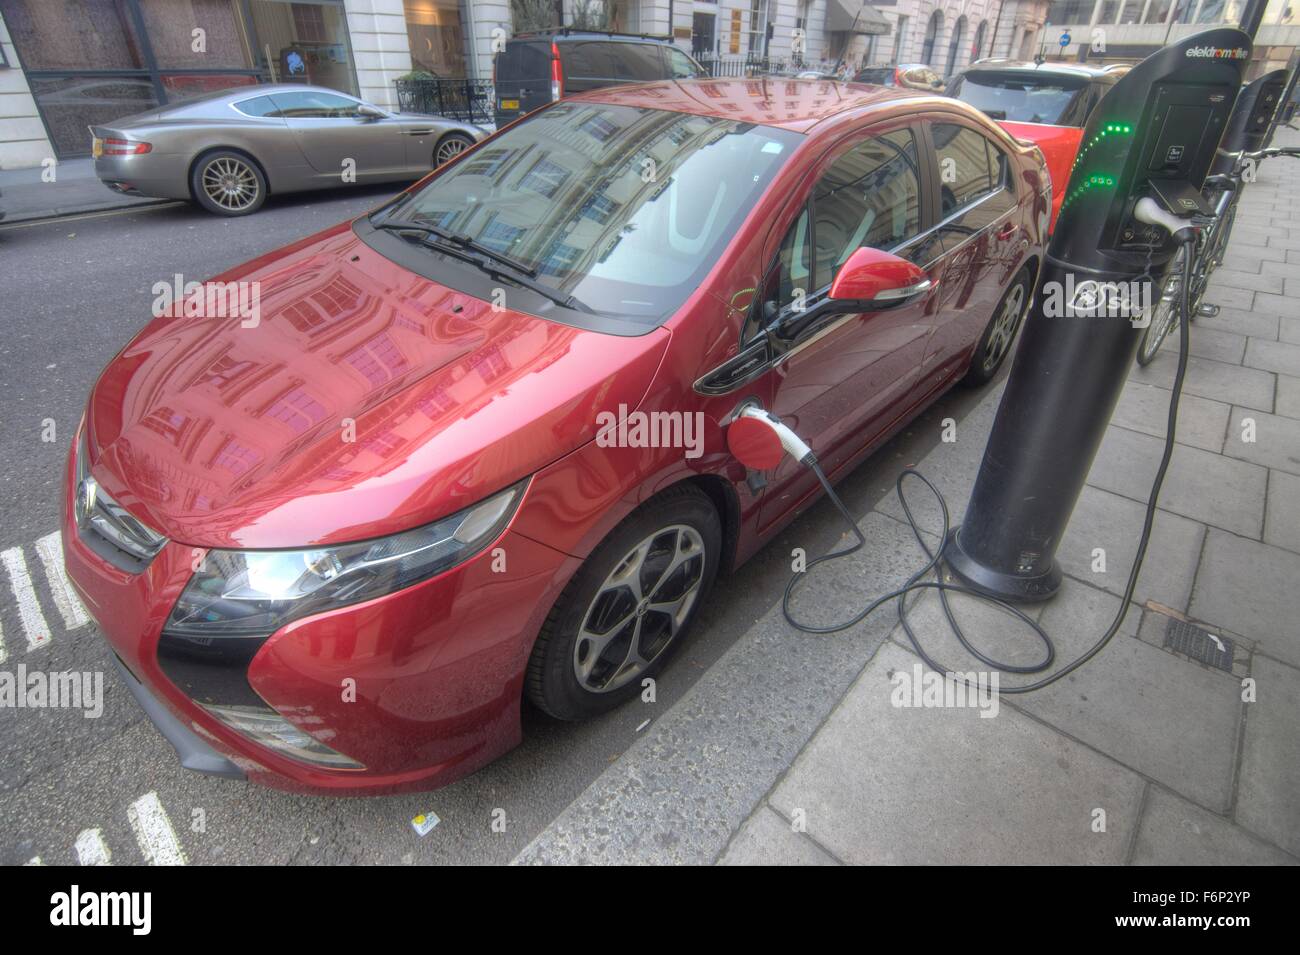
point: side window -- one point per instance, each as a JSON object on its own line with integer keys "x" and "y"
{"x": 640, "y": 61}
{"x": 314, "y": 105}
{"x": 257, "y": 106}
{"x": 680, "y": 66}
{"x": 870, "y": 196}
{"x": 965, "y": 171}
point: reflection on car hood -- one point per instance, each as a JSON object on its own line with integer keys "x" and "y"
{"x": 365, "y": 400}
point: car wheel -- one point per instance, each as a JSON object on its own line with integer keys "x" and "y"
{"x": 228, "y": 184}
{"x": 995, "y": 343}
{"x": 449, "y": 147}
{"x": 628, "y": 607}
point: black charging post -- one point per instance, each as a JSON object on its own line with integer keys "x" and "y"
{"x": 1153, "y": 136}
{"x": 1251, "y": 122}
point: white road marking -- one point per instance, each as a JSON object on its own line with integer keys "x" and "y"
{"x": 154, "y": 832}
{"x": 50, "y": 550}
{"x": 29, "y": 609}
{"x": 3, "y": 652}
{"x": 91, "y": 848}
{"x": 34, "y": 860}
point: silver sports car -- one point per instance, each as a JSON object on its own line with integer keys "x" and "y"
{"x": 228, "y": 150}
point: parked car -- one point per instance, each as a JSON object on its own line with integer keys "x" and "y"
{"x": 227, "y": 151}
{"x": 1045, "y": 103}
{"x": 539, "y": 68}
{"x": 912, "y": 76}
{"x": 473, "y": 451}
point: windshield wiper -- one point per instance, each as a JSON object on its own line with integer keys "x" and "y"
{"x": 464, "y": 241}
{"x": 467, "y": 250}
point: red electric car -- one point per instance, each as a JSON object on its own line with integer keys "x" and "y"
{"x": 470, "y": 448}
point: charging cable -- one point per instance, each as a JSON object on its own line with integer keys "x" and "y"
{"x": 1183, "y": 232}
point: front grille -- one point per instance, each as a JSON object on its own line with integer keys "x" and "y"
{"x": 106, "y": 527}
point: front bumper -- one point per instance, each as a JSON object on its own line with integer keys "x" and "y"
{"x": 420, "y": 687}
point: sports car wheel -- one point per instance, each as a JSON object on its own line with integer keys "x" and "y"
{"x": 449, "y": 147}
{"x": 628, "y": 607}
{"x": 228, "y": 184}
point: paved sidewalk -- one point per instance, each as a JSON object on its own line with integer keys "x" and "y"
{"x": 789, "y": 751}
{"x": 75, "y": 190}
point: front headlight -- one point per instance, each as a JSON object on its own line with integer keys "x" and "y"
{"x": 238, "y": 593}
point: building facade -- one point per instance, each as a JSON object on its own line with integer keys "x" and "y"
{"x": 67, "y": 64}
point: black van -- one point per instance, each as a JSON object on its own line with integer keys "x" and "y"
{"x": 538, "y": 68}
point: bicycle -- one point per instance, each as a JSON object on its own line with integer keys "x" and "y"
{"x": 1205, "y": 255}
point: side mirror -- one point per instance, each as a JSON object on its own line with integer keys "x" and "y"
{"x": 369, "y": 114}
{"x": 874, "y": 280}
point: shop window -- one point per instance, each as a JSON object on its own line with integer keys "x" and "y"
{"x": 223, "y": 44}
{"x": 436, "y": 36}
{"x": 304, "y": 43}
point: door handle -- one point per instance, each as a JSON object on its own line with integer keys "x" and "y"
{"x": 1007, "y": 231}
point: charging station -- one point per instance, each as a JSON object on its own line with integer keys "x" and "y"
{"x": 1153, "y": 137}
{"x": 1251, "y": 122}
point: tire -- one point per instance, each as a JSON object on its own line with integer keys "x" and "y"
{"x": 1000, "y": 333}
{"x": 1164, "y": 315}
{"x": 449, "y": 147}
{"x": 228, "y": 183}
{"x": 582, "y": 663}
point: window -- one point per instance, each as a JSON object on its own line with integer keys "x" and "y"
{"x": 628, "y": 223}
{"x": 314, "y": 106}
{"x": 870, "y": 196}
{"x": 257, "y": 106}
{"x": 900, "y": 31}
{"x": 680, "y": 65}
{"x": 966, "y": 170}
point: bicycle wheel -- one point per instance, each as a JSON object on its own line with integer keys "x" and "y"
{"x": 1164, "y": 314}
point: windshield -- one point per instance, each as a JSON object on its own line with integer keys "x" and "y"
{"x": 1031, "y": 99}
{"x": 624, "y": 209}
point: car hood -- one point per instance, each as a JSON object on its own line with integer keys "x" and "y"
{"x": 343, "y": 397}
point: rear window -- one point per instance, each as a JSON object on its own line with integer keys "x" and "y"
{"x": 524, "y": 61}
{"x": 881, "y": 76}
{"x": 1021, "y": 98}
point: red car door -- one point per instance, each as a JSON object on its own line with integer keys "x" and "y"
{"x": 979, "y": 225}
{"x": 844, "y": 380}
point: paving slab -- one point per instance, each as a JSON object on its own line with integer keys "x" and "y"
{"x": 1144, "y": 407}
{"x": 1227, "y": 277}
{"x": 1212, "y": 343}
{"x": 887, "y": 784}
{"x": 1279, "y": 357}
{"x": 1199, "y": 484}
{"x": 1288, "y": 396}
{"x": 1241, "y": 322}
{"x": 1250, "y": 588}
{"x": 1269, "y": 801}
{"x": 768, "y": 839}
{"x": 1276, "y": 444}
{"x": 1169, "y": 719}
{"x": 1269, "y": 304}
{"x": 1219, "y": 380}
{"x": 1173, "y": 831}
{"x": 1111, "y": 522}
{"x": 1282, "y": 514}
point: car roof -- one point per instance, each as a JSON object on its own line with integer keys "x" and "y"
{"x": 566, "y": 34}
{"x": 1083, "y": 70}
{"x": 786, "y": 102}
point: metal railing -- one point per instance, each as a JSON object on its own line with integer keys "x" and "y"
{"x": 751, "y": 65}
{"x": 459, "y": 98}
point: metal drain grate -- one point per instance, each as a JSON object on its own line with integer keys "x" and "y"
{"x": 1190, "y": 640}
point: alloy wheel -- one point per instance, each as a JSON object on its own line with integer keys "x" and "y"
{"x": 230, "y": 184}
{"x": 449, "y": 149}
{"x": 1004, "y": 328}
{"x": 639, "y": 608}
